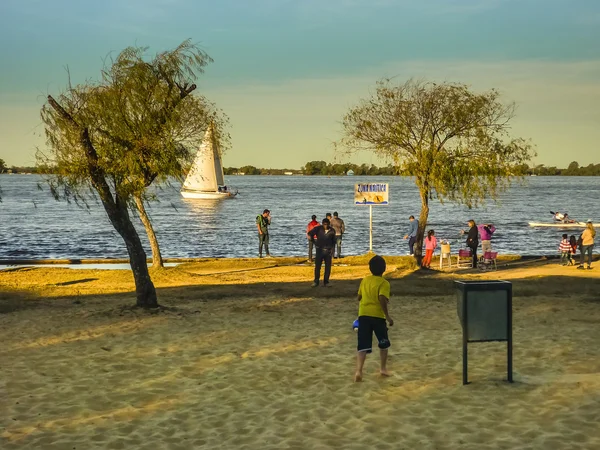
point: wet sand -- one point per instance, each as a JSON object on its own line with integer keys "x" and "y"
{"x": 256, "y": 359}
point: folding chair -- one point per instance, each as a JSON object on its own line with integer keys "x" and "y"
{"x": 489, "y": 260}
{"x": 445, "y": 254}
{"x": 464, "y": 258}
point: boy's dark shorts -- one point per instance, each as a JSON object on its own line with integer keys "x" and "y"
{"x": 368, "y": 325}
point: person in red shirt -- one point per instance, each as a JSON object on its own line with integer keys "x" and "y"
{"x": 313, "y": 223}
{"x": 565, "y": 250}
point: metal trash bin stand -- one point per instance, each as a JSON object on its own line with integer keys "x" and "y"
{"x": 485, "y": 312}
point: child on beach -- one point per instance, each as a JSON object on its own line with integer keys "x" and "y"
{"x": 573, "y": 243}
{"x": 374, "y": 296}
{"x": 565, "y": 250}
{"x": 430, "y": 246}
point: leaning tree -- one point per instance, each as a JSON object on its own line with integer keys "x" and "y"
{"x": 454, "y": 143}
{"x": 157, "y": 131}
{"x": 113, "y": 138}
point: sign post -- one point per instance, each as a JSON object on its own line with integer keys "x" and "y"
{"x": 371, "y": 194}
{"x": 371, "y": 228}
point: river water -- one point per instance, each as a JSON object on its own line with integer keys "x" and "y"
{"x": 34, "y": 225}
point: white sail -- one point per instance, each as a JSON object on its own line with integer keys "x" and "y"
{"x": 206, "y": 173}
{"x": 218, "y": 164}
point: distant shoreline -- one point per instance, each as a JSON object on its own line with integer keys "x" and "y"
{"x": 321, "y": 175}
{"x": 297, "y": 259}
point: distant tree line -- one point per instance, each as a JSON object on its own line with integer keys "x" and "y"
{"x": 574, "y": 169}
{"x": 17, "y": 169}
{"x": 324, "y": 168}
{"x": 251, "y": 170}
{"x": 316, "y": 168}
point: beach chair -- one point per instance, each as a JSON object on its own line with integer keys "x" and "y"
{"x": 489, "y": 260}
{"x": 464, "y": 258}
{"x": 445, "y": 254}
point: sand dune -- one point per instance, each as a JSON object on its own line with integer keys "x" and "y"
{"x": 274, "y": 371}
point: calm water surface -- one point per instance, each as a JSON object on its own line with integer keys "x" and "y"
{"x": 34, "y": 225}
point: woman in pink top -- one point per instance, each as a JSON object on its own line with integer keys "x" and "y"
{"x": 430, "y": 246}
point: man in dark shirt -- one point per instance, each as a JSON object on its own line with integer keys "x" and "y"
{"x": 473, "y": 240}
{"x": 324, "y": 237}
{"x": 313, "y": 223}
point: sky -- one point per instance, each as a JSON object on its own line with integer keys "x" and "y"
{"x": 286, "y": 71}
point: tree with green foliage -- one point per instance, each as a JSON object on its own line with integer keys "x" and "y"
{"x": 140, "y": 120}
{"x": 249, "y": 170}
{"x": 455, "y": 143}
{"x": 315, "y": 168}
{"x": 140, "y": 124}
{"x": 573, "y": 169}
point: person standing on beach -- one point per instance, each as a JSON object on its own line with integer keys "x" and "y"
{"x": 486, "y": 231}
{"x": 573, "y": 244}
{"x": 473, "y": 240}
{"x": 565, "y": 250}
{"x": 313, "y": 223}
{"x": 262, "y": 224}
{"x": 430, "y": 246}
{"x": 324, "y": 237}
{"x": 587, "y": 244}
{"x": 373, "y": 297}
{"x": 340, "y": 228}
{"x": 413, "y": 227}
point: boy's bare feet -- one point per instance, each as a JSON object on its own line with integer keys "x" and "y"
{"x": 385, "y": 373}
{"x": 357, "y": 377}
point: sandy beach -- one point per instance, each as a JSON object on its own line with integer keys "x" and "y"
{"x": 246, "y": 355}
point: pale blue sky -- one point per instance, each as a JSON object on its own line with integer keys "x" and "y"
{"x": 286, "y": 70}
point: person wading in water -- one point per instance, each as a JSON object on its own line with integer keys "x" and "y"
{"x": 324, "y": 237}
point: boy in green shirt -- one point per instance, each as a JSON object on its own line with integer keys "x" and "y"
{"x": 374, "y": 296}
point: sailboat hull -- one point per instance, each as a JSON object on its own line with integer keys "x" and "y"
{"x": 207, "y": 195}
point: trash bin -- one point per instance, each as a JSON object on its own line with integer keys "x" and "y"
{"x": 485, "y": 312}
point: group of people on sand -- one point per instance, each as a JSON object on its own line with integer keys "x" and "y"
{"x": 338, "y": 226}
{"x": 475, "y": 232}
{"x": 568, "y": 247}
{"x": 325, "y": 238}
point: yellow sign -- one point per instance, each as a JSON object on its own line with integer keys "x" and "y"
{"x": 371, "y": 194}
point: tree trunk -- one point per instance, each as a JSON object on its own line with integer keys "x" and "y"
{"x": 423, "y": 216}
{"x": 144, "y": 288}
{"x": 157, "y": 260}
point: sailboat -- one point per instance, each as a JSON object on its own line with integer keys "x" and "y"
{"x": 205, "y": 179}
